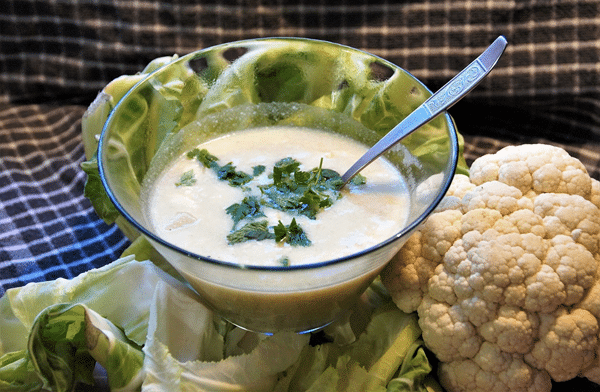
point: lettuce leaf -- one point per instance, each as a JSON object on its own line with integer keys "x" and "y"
{"x": 52, "y": 333}
{"x": 158, "y": 336}
{"x": 415, "y": 374}
{"x": 155, "y": 332}
{"x": 66, "y": 341}
{"x": 387, "y": 356}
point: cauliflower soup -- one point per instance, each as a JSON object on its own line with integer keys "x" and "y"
{"x": 225, "y": 199}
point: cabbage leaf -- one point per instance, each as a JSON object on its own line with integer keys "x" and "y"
{"x": 387, "y": 356}
{"x": 156, "y": 335}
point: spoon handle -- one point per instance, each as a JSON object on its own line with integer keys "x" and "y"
{"x": 443, "y": 99}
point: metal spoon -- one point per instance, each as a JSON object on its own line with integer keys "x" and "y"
{"x": 443, "y": 99}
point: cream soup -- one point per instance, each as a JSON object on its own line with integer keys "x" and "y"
{"x": 187, "y": 203}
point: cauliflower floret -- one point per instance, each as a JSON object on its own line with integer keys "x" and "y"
{"x": 595, "y": 196}
{"x": 539, "y": 168}
{"x": 513, "y": 330}
{"x": 458, "y": 189}
{"x": 508, "y": 269}
{"x": 567, "y": 343}
{"x": 415, "y": 262}
{"x": 447, "y": 331}
{"x": 493, "y": 370}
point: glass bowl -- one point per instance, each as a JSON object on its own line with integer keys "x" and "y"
{"x": 336, "y": 85}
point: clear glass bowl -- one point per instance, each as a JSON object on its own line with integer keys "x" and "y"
{"x": 347, "y": 86}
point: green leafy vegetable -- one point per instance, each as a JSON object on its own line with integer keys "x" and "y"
{"x": 186, "y": 179}
{"x": 52, "y": 333}
{"x": 258, "y": 170}
{"x": 66, "y": 340}
{"x": 415, "y": 373}
{"x": 358, "y": 179}
{"x": 94, "y": 191}
{"x": 228, "y": 173}
{"x": 248, "y": 208}
{"x": 388, "y": 354}
{"x": 299, "y": 192}
{"x": 291, "y": 234}
{"x": 204, "y": 157}
{"x": 257, "y": 231}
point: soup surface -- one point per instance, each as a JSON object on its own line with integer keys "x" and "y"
{"x": 187, "y": 204}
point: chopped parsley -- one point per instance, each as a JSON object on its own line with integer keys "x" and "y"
{"x": 226, "y": 172}
{"x": 284, "y": 261}
{"x": 186, "y": 179}
{"x": 250, "y": 207}
{"x": 258, "y": 170}
{"x": 298, "y": 192}
{"x": 256, "y": 230}
{"x": 234, "y": 177}
{"x": 358, "y": 179}
{"x": 203, "y": 156}
{"x": 292, "y": 234}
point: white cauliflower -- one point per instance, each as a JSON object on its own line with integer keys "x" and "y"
{"x": 504, "y": 275}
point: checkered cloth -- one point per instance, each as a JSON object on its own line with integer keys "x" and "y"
{"x": 55, "y": 55}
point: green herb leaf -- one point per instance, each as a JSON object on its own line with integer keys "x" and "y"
{"x": 257, "y": 230}
{"x": 292, "y": 234}
{"x": 300, "y": 192}
{"x": 258, "y": 170}
{"x": 288, "y": 165}
{"x": 284, "y": 261}
{"x": 203, "y": 156}
{"x": 330, "y": 179}
{"x": 311, "y": 203}
{"x": 234, "y": 177}
{"x": 280, "y": 232}
{"x": 186, "y": 179}
{"x": 224, "y": 173}
{"x": 248, "y": 208}
{"x": 302, "y": 177}
{"x": 358, "y": 179}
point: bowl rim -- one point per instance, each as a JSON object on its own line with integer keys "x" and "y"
{"x": 454, "y": 156}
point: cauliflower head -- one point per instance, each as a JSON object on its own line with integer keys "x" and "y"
{"x": 504, "y": 274}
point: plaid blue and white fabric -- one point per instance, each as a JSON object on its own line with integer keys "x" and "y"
{"x": 56, "y": 55}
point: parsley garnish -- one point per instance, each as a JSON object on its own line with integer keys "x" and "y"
{"x": 248, "y": 208}
{"x": 284, "y": 261}
{"x": 291, "y": 190}
{"x": 226, "y": 172}
{"x": 186, "y": 179}
{"x": 258, "y": 170}
{"x": 292, "y": 234}
{"x": 358, "y": 179}
{"x": 235, "y": 178}
{"x": 203, "y": 156}
{"x": 256, "y": 230}
{"x": 300, "y": 192}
